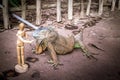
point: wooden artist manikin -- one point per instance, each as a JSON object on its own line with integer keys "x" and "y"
{"x": 21, "y": 66}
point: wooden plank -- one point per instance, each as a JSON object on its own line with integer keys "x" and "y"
{"x": 88, "y": 7}
{"x": 82, "y": 6}
{"x": 119, "y": 5}
{"x": 70, "y": 9}
{"x": 38, "y": 12}
{"x": 100, "y": 11}
{"x": 5, "y": 14}
{"x": 23, "y": 4}
{"x": 113, "y": 5}
{"x": 59, "y": 11}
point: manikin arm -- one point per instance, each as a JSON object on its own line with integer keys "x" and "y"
{"x": 23, "y": 40}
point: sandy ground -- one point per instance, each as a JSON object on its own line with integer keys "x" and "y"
{"x": 105, "y": 35}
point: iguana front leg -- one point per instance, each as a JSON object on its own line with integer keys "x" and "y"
{"x": 53, "y": 54}
{"x": 38, "y": 49}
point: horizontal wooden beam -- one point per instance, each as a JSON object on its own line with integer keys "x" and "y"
{"x": 45, "y": 6}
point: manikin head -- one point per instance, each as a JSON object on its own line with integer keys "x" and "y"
{"x": 21, "y": 26}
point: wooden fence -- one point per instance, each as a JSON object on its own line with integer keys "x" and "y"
{"x": 58, "y": 6}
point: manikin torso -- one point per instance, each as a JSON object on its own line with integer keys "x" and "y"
{"x": 22, "y": 34}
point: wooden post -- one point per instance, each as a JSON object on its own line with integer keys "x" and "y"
{"x": 119, "y": 5}
{"x": 59, "y": 11}
{"x": 82, "y": 13}
{"x": 113, "y": 5}
{"x": 23, "y": 5}
{"x": 88, "y": 8}
{"x": 38, "y": 12}
{"x": 70, "y": 9}
{"x": 5, "y": 13}
{"x": 100, "y": 12}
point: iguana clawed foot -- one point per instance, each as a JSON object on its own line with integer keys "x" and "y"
{"x": 54, "y": 64}
{"x": 89, "y": 55}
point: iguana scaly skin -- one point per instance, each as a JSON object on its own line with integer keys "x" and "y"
{"x": 56, "y": 43}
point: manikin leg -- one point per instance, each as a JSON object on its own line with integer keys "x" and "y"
{"x": 18, "y": 55}
{"x": 21, "y": 67}
{"x": 22, "y": 56}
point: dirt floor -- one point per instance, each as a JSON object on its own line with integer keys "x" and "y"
{"x": 105, "y": 35}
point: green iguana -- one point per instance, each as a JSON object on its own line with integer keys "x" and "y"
{"x": 47, "y": 38}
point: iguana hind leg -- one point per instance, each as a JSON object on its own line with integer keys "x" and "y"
{"x": 85, "y": 51}
{"x": 79, "y": 40}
